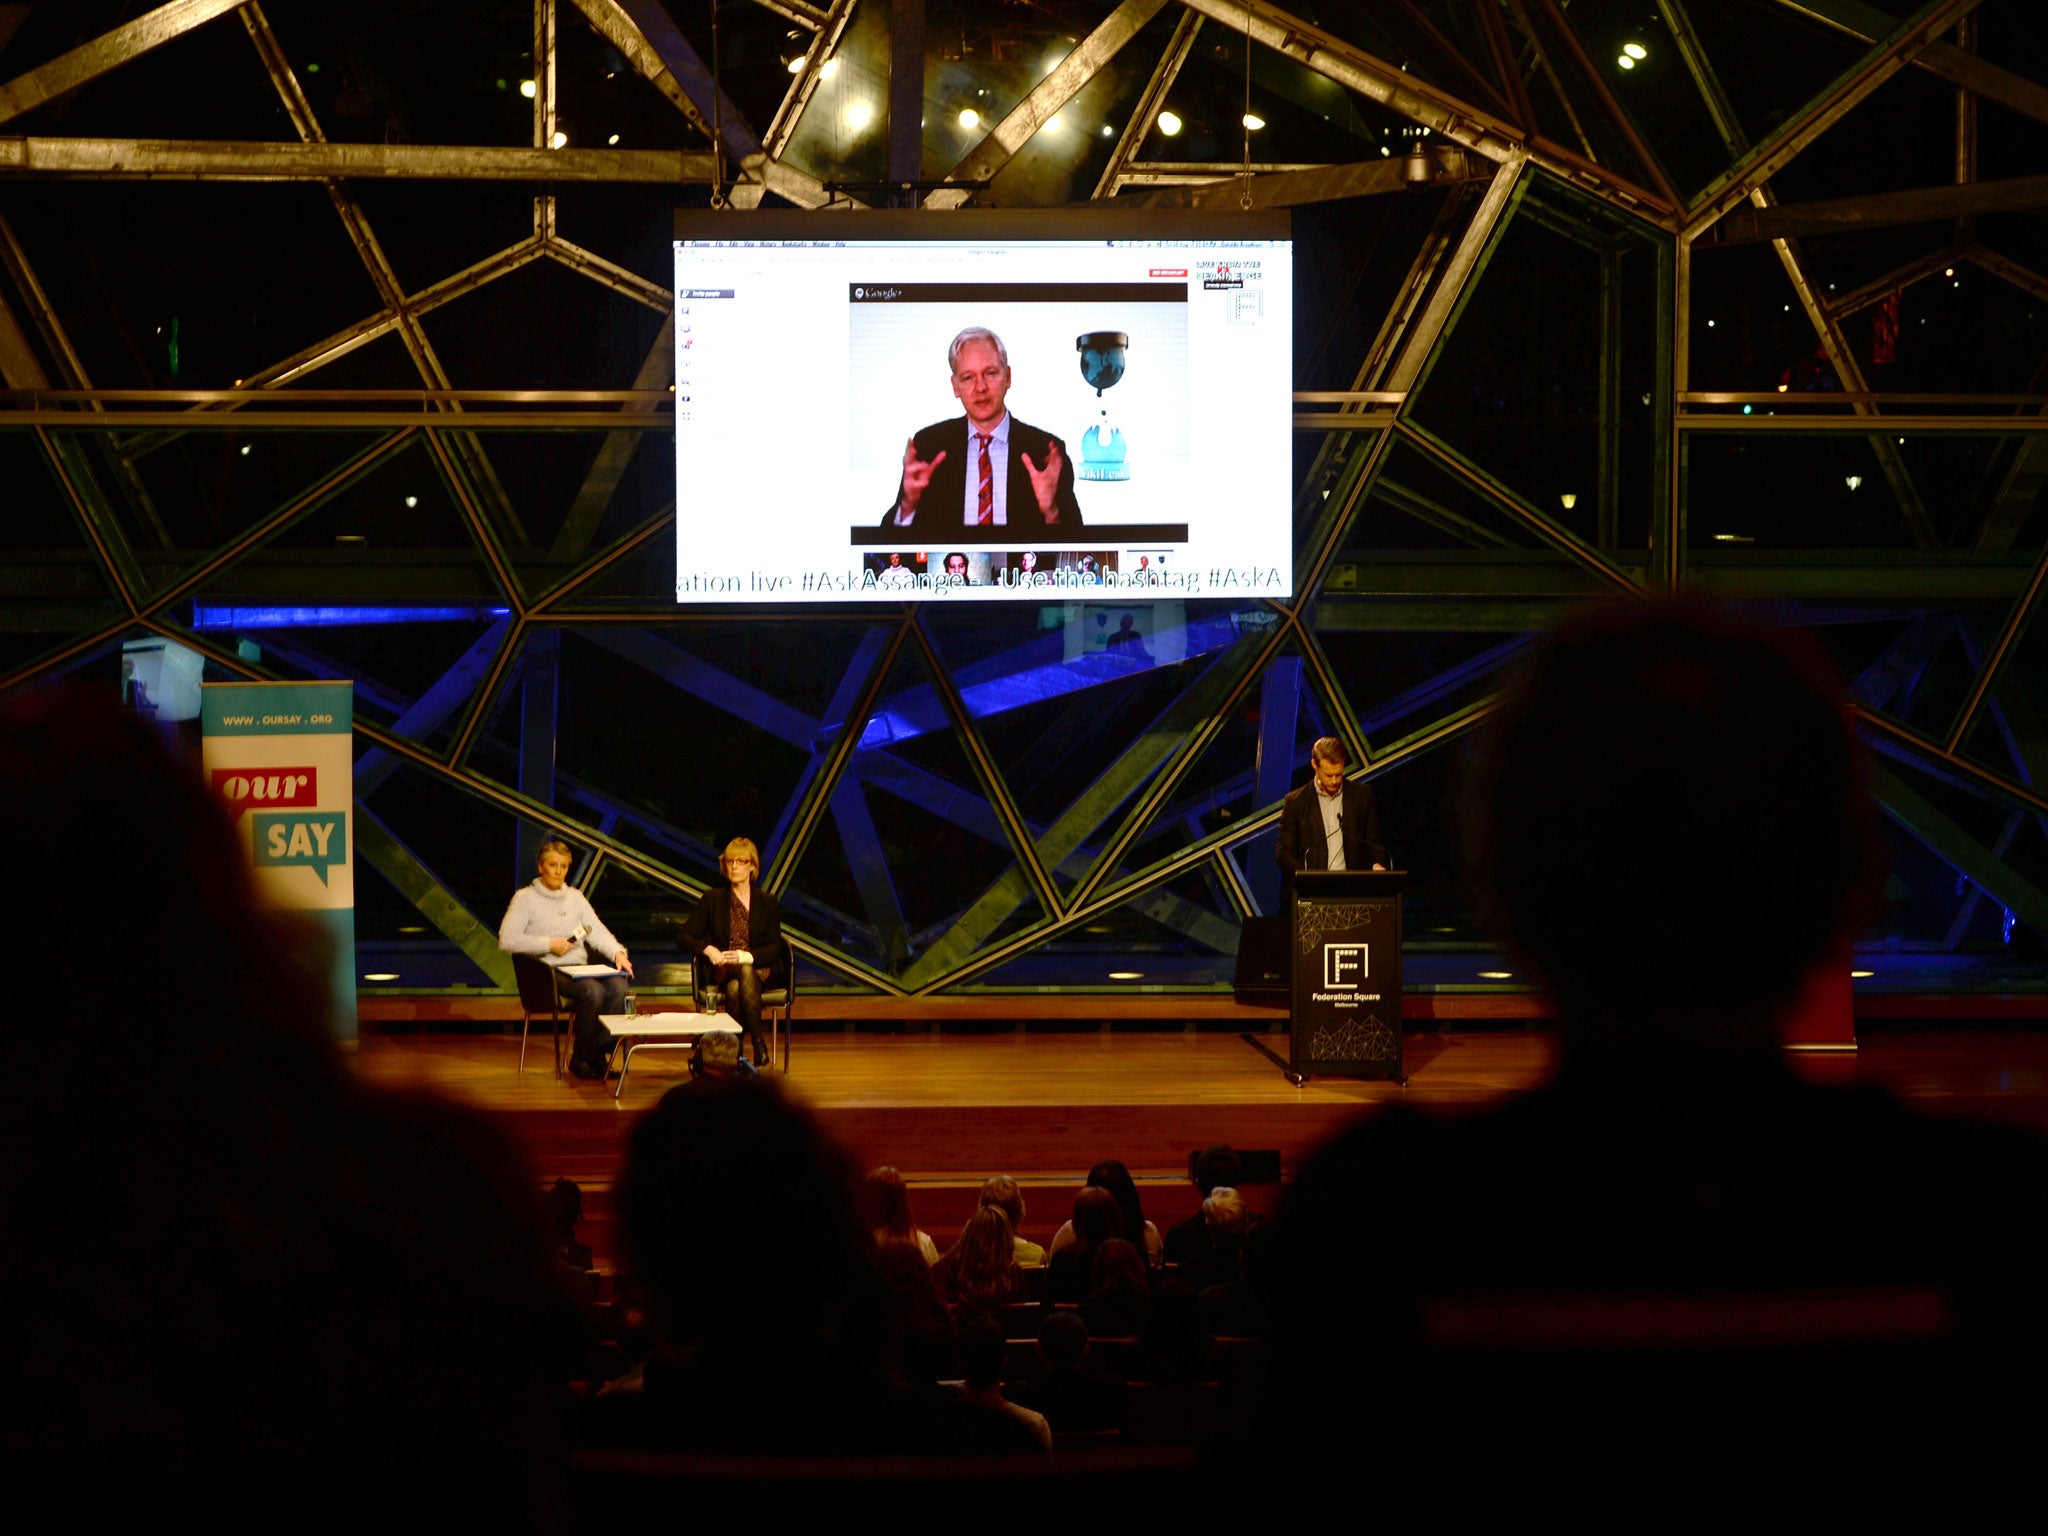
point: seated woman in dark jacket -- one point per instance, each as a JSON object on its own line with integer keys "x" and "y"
{"x": 737, "y": 927}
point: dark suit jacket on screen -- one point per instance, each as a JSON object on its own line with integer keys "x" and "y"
{"x": 1302, "y": 844}
{"x": 938, "y": 519}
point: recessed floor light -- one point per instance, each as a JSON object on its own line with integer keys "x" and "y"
{"x": 1859, "y": 975}
{"x": 1126, "y": 975}
{"x": 380, "y": 975}
{"x": 1497, "y": 975}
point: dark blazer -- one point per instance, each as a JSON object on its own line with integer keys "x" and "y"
{"x": 711, "y": 924}
{"x": 1302, "y": 845}
{"x": 937, "y": 520}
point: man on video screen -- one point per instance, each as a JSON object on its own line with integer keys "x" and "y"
{"x": 984, "y": 475}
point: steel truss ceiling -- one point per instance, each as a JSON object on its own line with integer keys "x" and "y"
{"x": 1500, "y": 136}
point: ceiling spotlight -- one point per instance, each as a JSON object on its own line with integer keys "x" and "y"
{"x": 412, "y": 501}
{"x": 796, "y": 65}
{"x": 1108, "y": 132}
{"x": 828, "y": 69}
{"x": 1853, "y": 481}
{"x": 559, "y": 139}
{"x": 969, "y": 118}
{"x": 1253, "y": 122}
{"x": 1169, "y": 123}
{"x": 528, "y": 89}
{"x": 247, "y": 446}
{"x": 1625, "y": 62}
{"x": 859, "y": 114}
{"x": 1570, "y": 500}
{"x": 1948, "y": 271}
{"x": 1055, "y": 124}
{"x": 614, "y": 139}
{"x": 1635, "y": 51}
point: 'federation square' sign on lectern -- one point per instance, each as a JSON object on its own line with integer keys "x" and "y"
{"x": 1345, "y": 967}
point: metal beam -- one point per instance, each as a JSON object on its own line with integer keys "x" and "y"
{"x": 100, "y": 159}
{"x": 869, "y": 864}
{"x": 648, "y": 39}
{"x": 109, "y": 51}
{"x": 1866, "y": 24}
{"x": 1734, "y": 186}
{"x": 715, "y": 686}
{"x": 382, "y": 849}
{"x": 540, "y": 668}
{"x": 1046, "y": 98}
{"x": 1881, "y": 210}
{"x": 1032, "y": 863}
{"x": 906, "y": 97}
{"x": 1151, "y": 749}
{"x": 782, "y": 127}
{"x": 1616, "y": 113}
{"x": 1474, "y": 249}
{"x": 601, "y": 483}
{"x": 443, "y": 698}
{"x": 845, "y": 714}
{"x": 1150, "y": 100}
{"x": 1949, "y": 842}
{"x": 1286, "y": 189}
{"x": 1517, "y": 506}
{"x": 2016, "y": 621}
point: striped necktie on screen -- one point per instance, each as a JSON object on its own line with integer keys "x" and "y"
{"x": 985, "y": 499}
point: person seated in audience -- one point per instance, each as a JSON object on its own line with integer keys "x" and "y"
{"x": 1229, "y": 1309}
{"x": 987, "y": 1423}
{"x": 740, "y": 1218}
{"x": 1224, "y": 1213}
{"x": 1189, "y": 1240}
{"x": 268, "y": 1290}
{"x": 565, "y": 1210}
{"x": 1116, "y": 1178}
{"x": 979, "y": 1274}
{"x": 888, "y": 1213}
{"x": 1722, "y": 1275}
{"x": 1066, "y": 1391}
{"x": 1119, "y": 1291}
{"x": 1003, "y": 1193}
{"x": 716, "y": 1058}
{"x": 1097, "y": 1218}
{"x": 920, "y": 1325}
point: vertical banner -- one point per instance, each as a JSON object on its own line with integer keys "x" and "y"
{"x": 279, "y": 757}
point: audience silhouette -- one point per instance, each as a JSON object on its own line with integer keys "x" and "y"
{"x": 1677, "y": 1258}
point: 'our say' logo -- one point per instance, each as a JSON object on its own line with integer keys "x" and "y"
{"x": 317, "y": 840}
{"x": 245, "y": 788}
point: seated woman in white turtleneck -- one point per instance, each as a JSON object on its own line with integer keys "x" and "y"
{"x": 551, "y": 920}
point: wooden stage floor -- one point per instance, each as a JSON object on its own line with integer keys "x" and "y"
{"x": 944, "y": 1106}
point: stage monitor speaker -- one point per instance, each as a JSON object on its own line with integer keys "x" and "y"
{"x": 1262, "y": 964}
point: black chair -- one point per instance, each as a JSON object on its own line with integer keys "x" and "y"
{"x": 777, "y": 1003}
{"x": 538, "y": 993}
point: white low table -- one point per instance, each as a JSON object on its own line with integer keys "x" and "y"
{"x": 661, "y": 1032}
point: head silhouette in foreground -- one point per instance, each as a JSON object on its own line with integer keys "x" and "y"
{"x": 1677, "y": 1257}
{"x": 1672, "y": 826}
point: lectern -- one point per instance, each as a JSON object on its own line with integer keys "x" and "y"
{"x": 1344, "y": 954}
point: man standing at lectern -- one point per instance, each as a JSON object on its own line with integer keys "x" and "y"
{"x": 1330, "y": 823}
